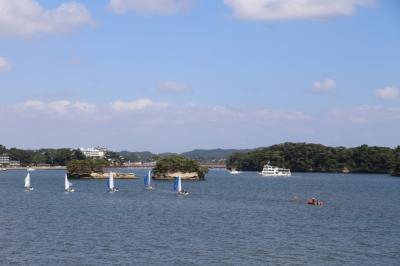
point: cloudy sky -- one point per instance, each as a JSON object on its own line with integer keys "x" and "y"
{"x": 174, "y": 75}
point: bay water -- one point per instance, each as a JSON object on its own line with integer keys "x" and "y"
{"x": 228, "y": 219}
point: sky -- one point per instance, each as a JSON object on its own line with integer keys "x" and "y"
{"x": 176, "y": 75}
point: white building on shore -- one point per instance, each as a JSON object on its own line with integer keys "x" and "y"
{"x": 93, "y": 152}
{"x": 4, "y": 159}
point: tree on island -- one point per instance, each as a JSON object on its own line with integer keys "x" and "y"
{"x": 176, "y": 163}
{"x": 84, "y": 168}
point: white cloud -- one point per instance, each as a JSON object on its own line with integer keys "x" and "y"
{"x": 293, "y": 9}
{"x": 26, "y": 18}
{"x": 367, "y": 115}
{"x": 388, "y": 93}
{"x": 4, "y": 64}
{"x": 324, "y": 86}
{"x": 137, "y": 105}
{"x": 145, "y": 124}
{"x": 61, "y": 107}
{"x": 173, "y": 87}
{"x": 158, "y": 7}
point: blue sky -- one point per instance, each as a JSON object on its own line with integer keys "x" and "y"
{"x": 174, "y": 75}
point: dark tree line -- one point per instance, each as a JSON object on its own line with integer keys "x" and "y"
{"x": 303, "y": 157}
{"x": 43, "y": 156}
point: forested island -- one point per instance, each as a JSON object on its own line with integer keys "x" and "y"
{"x": 93, "y": 169}
{"x": 303, "y": 157}
{"x": 169, "y": 167}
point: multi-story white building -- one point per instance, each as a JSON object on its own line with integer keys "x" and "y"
{"x": 93, "y": 152}
{"x": 4, "y": 159}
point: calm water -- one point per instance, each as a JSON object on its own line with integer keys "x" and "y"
{"x": 226, "y": 220}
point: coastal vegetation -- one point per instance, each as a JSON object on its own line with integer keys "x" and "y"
{"x": 395, "y": 163}
{"x": 178, "y": 164}
{"x": 52, "y": 157}
{"x": 299, "y": 157}
{"x": 303, "y": 157}
{"x": 85, "y": 168}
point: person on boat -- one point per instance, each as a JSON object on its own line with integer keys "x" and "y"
{"x": 314, "y": 201}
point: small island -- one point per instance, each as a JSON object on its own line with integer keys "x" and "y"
{"x": 93, "y": 169}
{"x": 169, "y": 167}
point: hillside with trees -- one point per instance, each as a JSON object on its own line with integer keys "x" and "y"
{"x": 303, "y": 157}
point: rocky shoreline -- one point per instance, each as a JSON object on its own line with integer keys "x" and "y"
{"x": 106, "y": 175}
{"x": 194, "y": 176}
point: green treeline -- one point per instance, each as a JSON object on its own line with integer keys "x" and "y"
{"x": 52, "y": 157}
{"x": 43, "y": 156}
{"x": 303, "y": 157}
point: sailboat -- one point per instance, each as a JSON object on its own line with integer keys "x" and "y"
{"x": 234, "y": 172}
{"x": 178, "y": 187}
{"x": 111, "y": 187}
{"x": 28, "y": 186}
{"x": 67, "y": 185}
{"x": 147, "y": 181}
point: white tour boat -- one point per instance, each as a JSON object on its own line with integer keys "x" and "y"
{"x": 270, "y": 170}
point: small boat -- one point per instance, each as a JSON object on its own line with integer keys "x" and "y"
{"x": 315, "y": 202}
{"x": 28, "y": 186}
{"x": 178, "y": 187}
{"x": 147, "y": 181}
{"x": 269, "y": 170}
{"x": 68, "y": 185}
{"x": 111, "y": 187}
{"x": 3, "y": 169}
{"x": 30, "y": 169}
{"x": 234, "y": 172}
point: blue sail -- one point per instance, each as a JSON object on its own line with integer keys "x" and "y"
{"x": 176, "y": 182}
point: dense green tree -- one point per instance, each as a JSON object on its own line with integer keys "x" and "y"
{"x": 175, "y": 163}
{"x": 83, "y": 168}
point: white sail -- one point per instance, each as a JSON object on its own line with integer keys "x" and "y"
{"x": 111, "y": 181}
{"x": 66, "y": 183}
{"x": 28, "y": 180}
{"x": 148, "y": 178}
{"x": 179, "y": 188}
